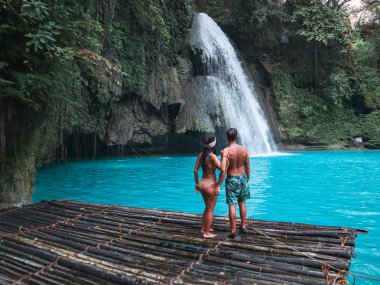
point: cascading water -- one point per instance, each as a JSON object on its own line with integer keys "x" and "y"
{"x": 236, "y": 94}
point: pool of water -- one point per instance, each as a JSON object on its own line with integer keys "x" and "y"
{"x": 327, "y": 188}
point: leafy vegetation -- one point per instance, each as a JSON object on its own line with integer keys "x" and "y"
{"x": 309, "y": 119}
{"x": 319, "y": 22}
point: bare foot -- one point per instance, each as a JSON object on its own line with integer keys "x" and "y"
{"x": 209, "y": 235}
{"x": 210, "y": 230}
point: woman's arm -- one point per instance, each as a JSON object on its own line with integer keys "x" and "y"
{"x": 222, "y": 174}
{"x": 196, "y": 168}
{"x": 220, "y": 165}
{"x": 216, "y": 161}
{"x": 223, "y": 169}
{"x": 223, "y": 165}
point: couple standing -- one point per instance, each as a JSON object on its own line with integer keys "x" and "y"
{"x": 234, "y": 164}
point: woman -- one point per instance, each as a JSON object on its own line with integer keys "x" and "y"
{"x": 208, "y": 185}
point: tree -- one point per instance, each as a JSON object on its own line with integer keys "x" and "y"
{"x": 320, "y": 23}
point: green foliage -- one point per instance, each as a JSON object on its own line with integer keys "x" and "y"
{"x": 366, "y": 53}
{"x": 288, "y": 97}
{"x": 320, "y": 22}
{"x": 143, "y": 33}
{"x": 338, "y": 87}
{"x": 262, "y": 21}
{"x": 369, "y": 87}
{"x": 309, "y": 118}
{"x": 372, "y": 125}
{"x": 258, "y": 14}
{"x": 86, "y": 32}
{"x": 266, "y": 12}
{"x": 42, "y": 30}
{"x": 216, "y": 11}
{"x": 307, "y": 111}
{"x": 366, "y": 58}
{"x": 334, "y": 127}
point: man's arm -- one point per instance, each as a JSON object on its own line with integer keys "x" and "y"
{"x": 246, "y": 165}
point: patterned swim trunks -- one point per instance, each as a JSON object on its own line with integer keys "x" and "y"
{"x": 237, "y": 189}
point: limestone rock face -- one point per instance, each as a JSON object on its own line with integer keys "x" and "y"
{"x": 177, "y": 101}
{"x": 20, "y": 185}
{"x": 104, "y": 73}
{"x": 113, "y": 74}
{"x": 201, "y": 111}
{"x": 163, "y": 87}
{"x": 141, "y": 119}
{"x": 133, "y": 122}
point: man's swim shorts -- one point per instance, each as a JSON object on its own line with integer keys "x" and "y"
{"x": 237, "y": 189}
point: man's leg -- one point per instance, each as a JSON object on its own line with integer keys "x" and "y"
{"x": 243, "y": 214}
{"x": 244, "y": 195}
{"x": 232, "y": 211}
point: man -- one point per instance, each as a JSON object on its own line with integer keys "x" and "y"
{"x": 237, "y": 187}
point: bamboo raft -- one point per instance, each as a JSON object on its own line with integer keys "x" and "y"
{"x": 67, "y": 242}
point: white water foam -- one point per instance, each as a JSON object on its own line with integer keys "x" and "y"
{"x": 274, "y": 153}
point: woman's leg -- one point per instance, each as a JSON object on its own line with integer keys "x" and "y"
{"x": 202, "y": 187}
{"x": 204, "y": 213}
{"x": 210, "y": 201}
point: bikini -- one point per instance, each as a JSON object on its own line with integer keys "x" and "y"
{"x": 207, "y": 172}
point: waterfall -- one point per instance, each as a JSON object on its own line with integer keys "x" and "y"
{"x": 236, "y": 94}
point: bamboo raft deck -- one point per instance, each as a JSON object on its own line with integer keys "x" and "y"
{"x": 67, "y": 242}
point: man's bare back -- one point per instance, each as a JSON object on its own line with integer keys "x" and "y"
{"x": 238, "y": 159}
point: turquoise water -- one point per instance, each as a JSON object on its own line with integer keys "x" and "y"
{"x": 327, "y": 188}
